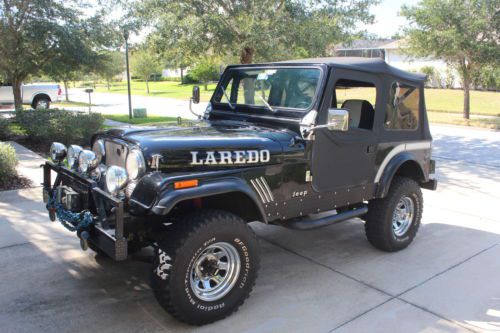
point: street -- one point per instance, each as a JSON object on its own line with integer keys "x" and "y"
{"x": 108, "y": 103}
{"x": 324, "y": 280}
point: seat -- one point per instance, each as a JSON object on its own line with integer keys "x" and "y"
{"x": 361, "y": 113}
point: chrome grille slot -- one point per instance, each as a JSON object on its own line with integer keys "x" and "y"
{"x": 116, "y": 153}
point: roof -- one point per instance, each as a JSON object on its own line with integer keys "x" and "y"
{"x": 370, "y": 65}
{"x": 365, "y": 44}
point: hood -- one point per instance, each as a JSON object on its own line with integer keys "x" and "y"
{"x": 208, "y": 146}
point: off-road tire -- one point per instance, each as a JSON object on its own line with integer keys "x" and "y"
{"x": 379, "y": 226}
{"x": 175, "y": 256}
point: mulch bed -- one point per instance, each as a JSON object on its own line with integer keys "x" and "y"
{"x": 41, "y": 148}
{"x": 15, "y": 183}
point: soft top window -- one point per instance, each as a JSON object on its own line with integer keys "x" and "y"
{"x": 270, "y": 88}
{"x": 403, "y": 107}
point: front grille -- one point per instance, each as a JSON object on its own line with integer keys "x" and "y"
{"x": 116, "y": 153}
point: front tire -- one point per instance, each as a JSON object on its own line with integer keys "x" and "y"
{"x": 206, "y": 267}
{"x": 392, "y": 222}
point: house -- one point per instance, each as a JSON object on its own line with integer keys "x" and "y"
{"x": 391, "y": 50}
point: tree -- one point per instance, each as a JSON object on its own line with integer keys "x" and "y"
{"x": 464, "y": 33}
{"x": 205, "y": 71}
{"x": 34, "y": 33}
{"x": 260, "y": 29}
{"x": 144, "y": 64}
{"x": 109, "y": 65}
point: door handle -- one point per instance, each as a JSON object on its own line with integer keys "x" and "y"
{"x": 370, "y": 149}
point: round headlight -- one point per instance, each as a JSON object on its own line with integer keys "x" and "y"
{"x": 73, "y": 152}
{"x": 135, "y": 164}
{"x": 99, "y": 150}
{"x": 116, "y": 178}
{"x": 57, "y": 152}
{"x": 87, "y": 161}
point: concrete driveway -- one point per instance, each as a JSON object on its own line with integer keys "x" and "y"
{"x": 317, "y": 281}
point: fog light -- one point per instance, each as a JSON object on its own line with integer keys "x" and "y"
{"x": 87, "y": 161}
{"x": 57, "y": 152}
{"x": 116, "y": 178}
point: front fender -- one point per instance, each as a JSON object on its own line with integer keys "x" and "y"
{"x": 170, "y": 198}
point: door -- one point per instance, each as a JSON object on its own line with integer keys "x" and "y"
{"x": 344, "y": 159}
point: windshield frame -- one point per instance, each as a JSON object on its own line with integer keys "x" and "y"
{"x": 262, "y": 109}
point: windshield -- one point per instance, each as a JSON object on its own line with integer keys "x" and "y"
{"x": 270, "y": 88}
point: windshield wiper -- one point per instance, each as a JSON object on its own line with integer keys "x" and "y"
{"x": 266, "y": 103}
{"x": 228, "y": 101}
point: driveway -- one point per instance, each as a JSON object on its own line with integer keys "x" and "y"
{"x": 316, "y": 281}
{"x": 109, "y": 103}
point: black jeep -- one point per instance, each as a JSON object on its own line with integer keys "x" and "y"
{"x": 278, "y": 143}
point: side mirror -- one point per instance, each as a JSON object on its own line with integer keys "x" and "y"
{"x": 196, "y": 95}
{"x": 338, "y": 120}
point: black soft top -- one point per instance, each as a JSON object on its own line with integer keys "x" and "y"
{"x": 370, "y": 65}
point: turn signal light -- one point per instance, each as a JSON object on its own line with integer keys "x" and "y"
{"x": 186, "y": 184}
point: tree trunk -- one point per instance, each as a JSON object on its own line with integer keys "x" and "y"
{"x": 182, "y": 75}
{"x": 246, "y": 56}
{"x": 249, "y": 87}
{"x": 147, "y": 86}
{"x": 18, "y": 98}
{"x": 466, "y": 99}
{"x": 66, "y": 90}
{"x": 205, "y": 84}
{"x": 109, "y": 85}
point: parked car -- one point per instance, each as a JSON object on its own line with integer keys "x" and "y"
{"x": 278, "y": 143}
{"x": 38, "y": 96}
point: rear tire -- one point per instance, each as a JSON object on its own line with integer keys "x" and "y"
{"x": 392, "y": 222}
{"x": 41, "y": 103}
{"x": 206, "y": 267}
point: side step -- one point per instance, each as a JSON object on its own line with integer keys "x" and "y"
{"x": 308, "y": 224}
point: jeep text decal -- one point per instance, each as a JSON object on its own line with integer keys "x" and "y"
{"x": 234, "y": 157}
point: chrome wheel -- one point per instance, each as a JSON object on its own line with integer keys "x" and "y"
{"x": 215, "y": 271}
{"x": 403, "y": 216}
{"x": 42, "y": 104}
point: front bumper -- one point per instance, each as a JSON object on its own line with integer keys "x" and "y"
{"x": 105, "y": 234}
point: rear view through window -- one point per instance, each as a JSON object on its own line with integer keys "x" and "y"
{"x": 403, "y": 106}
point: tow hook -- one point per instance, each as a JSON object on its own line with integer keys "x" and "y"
{"x": 84, "y": 236}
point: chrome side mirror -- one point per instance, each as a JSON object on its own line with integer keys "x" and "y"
{"x": 338, "y": 120}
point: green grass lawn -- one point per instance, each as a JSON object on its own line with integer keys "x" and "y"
{"x": 457, "y": 119}
{"x": 66, "y": 105}
{"x": 160, "y": 88}
{"x": 440, "y": 100}
{"x": 451, "y": 100}
{"x": 437, "y": 100}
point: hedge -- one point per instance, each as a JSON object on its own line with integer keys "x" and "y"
{"x": 60, "y": 125}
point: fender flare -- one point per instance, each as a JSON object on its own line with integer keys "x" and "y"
{"x": 169, "y": 199}
{"x": 38, "y": 95}
{"x": 391, "y": 169}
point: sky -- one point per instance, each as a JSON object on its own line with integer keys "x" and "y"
{"x": 387, "y": 21}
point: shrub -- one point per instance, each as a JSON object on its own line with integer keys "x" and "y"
{"x": 189, "y": 79}
{"x": 4, "y": 129}
{"x": 8, "y": 162}
{"x": 59, "y": 125}
{"x": 205, "y": 71}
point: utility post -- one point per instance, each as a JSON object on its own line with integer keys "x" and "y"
{"x": 125, "y": 36}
